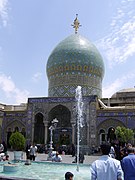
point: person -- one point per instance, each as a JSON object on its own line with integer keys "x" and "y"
{"x": 112, "y": 151}
{"x": 123, "y": 151}
{"x": 106, "y": 167}
{"x": 81, "y": 158}
{"x": 69, "y": 176}
{"x": 27, "y": 151}
{"x": 5, "y": 147}
{"x": 128, "y": 164}
{"x": 6, "y": 157}
{"x": 117, "y": 152}
{"x": 2, "y": 154}
{"x": 73, "y": 150}
{"x": 33, "y": 152}
{"x": 57, "y": 158}
{"x": 1, "y": 148}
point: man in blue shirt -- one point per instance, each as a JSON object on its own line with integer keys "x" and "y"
{"x": 128, "y": 165}
{"x": 106, "y": 168}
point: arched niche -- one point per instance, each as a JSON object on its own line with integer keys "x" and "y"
{"x": 102, "y": 136}
{"x": 62, "y": 135}
{"x": 39, "y": 130}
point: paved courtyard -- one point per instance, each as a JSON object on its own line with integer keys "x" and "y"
{"x": 65, "y": 158}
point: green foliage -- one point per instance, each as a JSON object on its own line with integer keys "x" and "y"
{"x": 124, "y": 134}
{"x": 17, "y": 141}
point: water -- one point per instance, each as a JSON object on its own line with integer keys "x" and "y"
{"x": 79, "y": 110}
{"x": 55, "y": 171}
{"x": 48, "y": 171}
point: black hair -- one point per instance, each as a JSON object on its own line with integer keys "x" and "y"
{"x": 130, "y": 150}
{"x": 68, "y": 175}
{"x": 105, "y": 148}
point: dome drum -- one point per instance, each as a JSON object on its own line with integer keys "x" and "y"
{"x": 69, "y": 91}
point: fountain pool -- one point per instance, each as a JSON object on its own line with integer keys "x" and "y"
{"x": 47, "y": 170}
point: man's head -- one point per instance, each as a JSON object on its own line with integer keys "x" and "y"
{"x": 129, "y": 145}
{"x": 69, "y": 176}
{"x": 105, "y": 148}
{"x": 130, "y": 150}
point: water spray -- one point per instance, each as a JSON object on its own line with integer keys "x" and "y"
{"x": 79, "y": 110}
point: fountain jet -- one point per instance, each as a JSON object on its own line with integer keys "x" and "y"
{"x": 79, "y": 110}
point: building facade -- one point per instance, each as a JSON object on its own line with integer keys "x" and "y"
{"x": 74, "y": 62}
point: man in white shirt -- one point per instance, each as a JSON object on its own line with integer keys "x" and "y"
{"x": 112, "y": 151}
{"x": 1, "y": 148}
{"x": 33, "y": 152}
{"x": 106, "y": 168}
{"x": 57, "y": 158}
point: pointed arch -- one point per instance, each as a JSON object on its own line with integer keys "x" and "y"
{"x": 39, "y": 128}
{"x": 63, "y": 115}
{"x": 15, "y": 124}
{"x": 63, "y": 132}
{"x": 12, "y": 127}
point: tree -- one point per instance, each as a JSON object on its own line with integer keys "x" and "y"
{"x": 17, "y": 141}
{"x": 124, "y": 134}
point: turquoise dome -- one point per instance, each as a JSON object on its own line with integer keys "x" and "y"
{"x": 74, "y": 62}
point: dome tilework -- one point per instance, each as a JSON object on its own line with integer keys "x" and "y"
{"x": 75, "y": 62}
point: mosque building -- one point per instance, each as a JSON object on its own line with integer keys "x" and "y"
{"x": 74, "y": 62}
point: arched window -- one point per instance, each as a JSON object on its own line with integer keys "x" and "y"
{"x": 39, "y": 129}
{"x": 23, "y": 132}
{"x": 16, "y": 129}
{"x": 102, "y": 136}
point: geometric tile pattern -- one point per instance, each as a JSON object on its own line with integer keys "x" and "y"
{"x": 69, "y": 91}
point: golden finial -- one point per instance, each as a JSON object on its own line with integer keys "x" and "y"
{"x": 76, "y": 24}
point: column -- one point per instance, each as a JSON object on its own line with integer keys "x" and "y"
{"x": 88, "y": 135}
{"x": 46, "y": 131}
{"x": 73, "y": 133}
{"x": 32, "y": 132}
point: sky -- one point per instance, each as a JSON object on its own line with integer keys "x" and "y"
{"x": 31, "y": 29}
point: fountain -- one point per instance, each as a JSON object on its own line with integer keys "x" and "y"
{"x": 45, "y": 170}
{"x": 48, "y": 170}
{"x": 79, "y": 110}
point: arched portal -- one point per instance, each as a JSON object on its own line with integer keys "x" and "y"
{"x": 62, "y": 135}
{"x": 39, "y": 129}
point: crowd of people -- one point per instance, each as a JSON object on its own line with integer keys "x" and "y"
{"x": 114, "y": 163}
